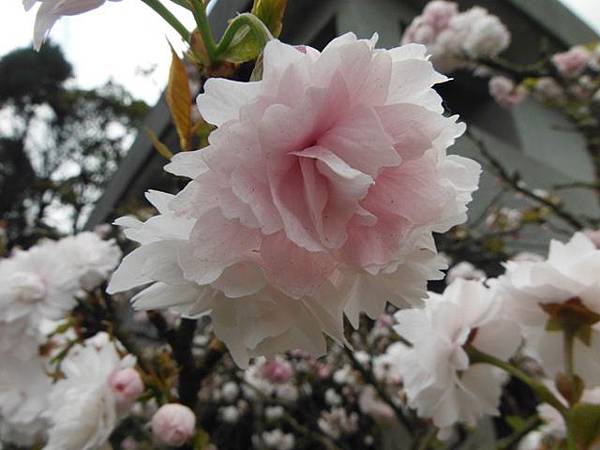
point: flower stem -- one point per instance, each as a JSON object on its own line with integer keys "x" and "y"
{"x": 370, "y": 379}
{"x": 543, "y": 393}
{"x": 568, "y": 342}
{"x": 208, "y": 39}
{"x": 163, "y": 12}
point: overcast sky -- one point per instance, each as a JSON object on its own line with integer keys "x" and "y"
{"x": 122, "y": 39}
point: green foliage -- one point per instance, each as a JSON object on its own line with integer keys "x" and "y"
{"x": 244, "y": 39}
{"x": 271, "y": 13}
{"x": 60, "y": 144}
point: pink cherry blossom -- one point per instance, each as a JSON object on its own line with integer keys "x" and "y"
{"x": 456, "y": 40}
{"x": 316, "y": 198}
{"x": 572, "y": 62}
{"x": 504, "y": 91}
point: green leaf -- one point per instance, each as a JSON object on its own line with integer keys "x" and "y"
{"x": 159, "y": 146}
{"x": 271, "y": 13}
{"x": 584, "y": 423}
{"x": 244, "y": 39}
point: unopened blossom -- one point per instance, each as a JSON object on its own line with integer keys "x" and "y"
{"x": 277, "y": 370}
{"x": 173, "y": 424}
{"x": 566, "y": 282}
{"x": 438, "y": 378}
{"x": 464, "y": 270}
{"x": 505, "y": 92}
{"x": 126, "y": 385}
{"x": 323, "y": 182}
{"x": 572, "y": 62}
{"x": 83, "y": 406}
{"x": 51, "y": 10}
{"x": 456, "y": 40}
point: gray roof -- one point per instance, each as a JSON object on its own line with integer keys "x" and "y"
{"x": 511, "y": 133}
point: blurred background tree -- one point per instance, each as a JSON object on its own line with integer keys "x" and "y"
{"x": 59, "y": 144}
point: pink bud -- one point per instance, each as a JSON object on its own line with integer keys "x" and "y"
{"x": 127, "y": 385}
{"x": 173, "y": 424}
{"x": 277, "y": 371}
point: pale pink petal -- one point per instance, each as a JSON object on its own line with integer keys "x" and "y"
{"x": 217, "y": 244}
{"x": 240, "y": 280}
{"x": 187, "y": 164}
{"x": 152, "y": 262}
{"x": 412, "y": 128}
{"x": 293, "y": 269}
{"x": 255, "y": 193}
{"x": 360, "y": 140}
{"x": 222, "y": 99}
{"x": 332, "y": 207}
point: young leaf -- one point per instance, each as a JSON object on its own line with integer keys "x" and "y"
{"x": 179, "y": 100}
{"x": 271, "y": 13}
{"x": 159, "y": 146}
{"x": 244, "y": 39}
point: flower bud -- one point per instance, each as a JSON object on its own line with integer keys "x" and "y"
{"x": 277, "y": 371}
{"x": 173, "y": 424}
{"x": 127, "y": 386}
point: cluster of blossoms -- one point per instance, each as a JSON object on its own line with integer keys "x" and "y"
{"x": 96, "y": 381}
{"x": 328, "y": 395}
{"x": 567, "y": 78}
{"x": 43, "y": 283}
{"x": 315, "y": 202}
{"x": 456, "y": 39}
{"x": 316, "y": 199}
{"x": 532, "y": 307}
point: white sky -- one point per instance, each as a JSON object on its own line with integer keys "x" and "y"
{"x": 120, "y": 38}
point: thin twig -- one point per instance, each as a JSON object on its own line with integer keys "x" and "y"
{"x": 513, "y": 181}
{"x": 370, "y": 379}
